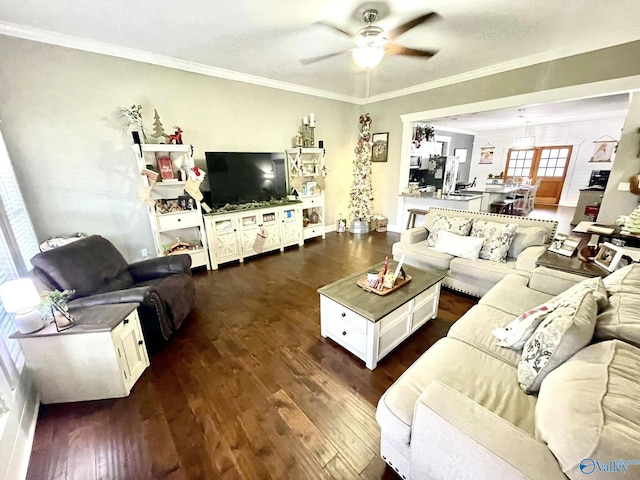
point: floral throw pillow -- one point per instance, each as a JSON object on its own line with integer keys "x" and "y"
{"x": 561, "y": 334}
{"x": 457, "y": 225}
{"x": 497, "y": 239}
{"x": 520, "y": 329}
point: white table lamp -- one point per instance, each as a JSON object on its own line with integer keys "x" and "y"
{"x": 21, "y": 297}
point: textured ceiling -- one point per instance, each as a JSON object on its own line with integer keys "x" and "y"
{"x": 267, "y": 38}
{"x": 587, "y": 109}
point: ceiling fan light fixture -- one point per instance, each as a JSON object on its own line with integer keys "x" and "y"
{"x": 368, "y": 56}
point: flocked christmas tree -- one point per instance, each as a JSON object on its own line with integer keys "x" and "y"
{"x": 361, "y": 192}
{"x": 158, "y": 129}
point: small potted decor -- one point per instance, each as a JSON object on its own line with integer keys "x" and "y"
{"x": 305, "y": 221}
{"x": 54, "y": 304}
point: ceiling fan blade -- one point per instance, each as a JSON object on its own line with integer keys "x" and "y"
{"x": 336, "y": 29}
{"x": 399, "y": 30}
{"x": 412, "y": 52}
{"x": 307, "y": 61}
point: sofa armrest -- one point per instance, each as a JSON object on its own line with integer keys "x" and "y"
{"x": 160, "y": 267}
{"x": 130, "y": 295}
{"x": 548, "y": 280}
{"x": 527, "y": 259}
{"x": 414, "y": 235}
{"x": 454, "y": 437}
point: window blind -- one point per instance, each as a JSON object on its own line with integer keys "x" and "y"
{"x": 18, "y": 244}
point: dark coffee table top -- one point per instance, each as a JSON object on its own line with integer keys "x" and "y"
{"x": 374, "y": 307}
{"x": 571, "y": 264}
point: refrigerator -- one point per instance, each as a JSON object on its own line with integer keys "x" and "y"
{"x": 440, "y": 172}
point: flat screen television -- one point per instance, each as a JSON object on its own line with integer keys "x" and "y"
{"x": 244, "y": 177}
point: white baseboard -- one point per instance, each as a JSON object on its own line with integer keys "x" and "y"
{"x": 16, "y": 437}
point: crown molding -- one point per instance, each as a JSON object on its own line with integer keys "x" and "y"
{"x": 566, "y": 51}
{"x": 102, "y": 48}
{"x": 572, "y": 92}
{"x": 45, "y": 36}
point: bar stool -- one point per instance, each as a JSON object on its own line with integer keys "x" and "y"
{"x": 505, "y": 206}
{"x": 411, "y": 222}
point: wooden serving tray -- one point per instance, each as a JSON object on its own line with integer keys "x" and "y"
{"x": 385, "y": 291}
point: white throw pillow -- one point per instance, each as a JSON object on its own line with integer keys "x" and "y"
{"x": 520, "y": 329}
{"x": 458, "y": 245}
{"x": 458, "y": 225}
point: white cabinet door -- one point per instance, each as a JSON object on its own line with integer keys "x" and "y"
{"x": 225, "y": 244}
{"x": 249, "y": 228}
{"x": 291, "y": 231}
{"x": 131, "y": 350}
{"x": 271, "y": 225}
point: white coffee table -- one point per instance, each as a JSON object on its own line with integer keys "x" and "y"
{"x": 369, "y": 325}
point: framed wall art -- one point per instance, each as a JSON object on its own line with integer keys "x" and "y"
{"x": 602, "y": 151}
{"x": 486, "y": 154}
{"x": 379, "y": 149}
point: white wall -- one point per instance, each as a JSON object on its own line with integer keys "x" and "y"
{"x": 579, "y": 134}
{"x": 615, "y": 201}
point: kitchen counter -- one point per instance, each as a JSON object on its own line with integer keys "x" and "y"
{"x": 493, "y": 189}
{"x": 493, "y": 193}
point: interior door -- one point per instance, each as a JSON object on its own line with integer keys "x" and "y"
{"x": 549, "y": 164}
{"x": 551, "y": 170}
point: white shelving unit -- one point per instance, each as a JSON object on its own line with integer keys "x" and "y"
{"x": 186, "y": 225}
{"x": 310, "y": 161}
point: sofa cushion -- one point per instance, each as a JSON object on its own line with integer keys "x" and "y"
{"x": 90, "y": 266}
{"x": 560, "y": 335}
{"x": 483, "y": 378}
{"x": 511, "y": 295}
{"x": 421, "y": 256}
{"x": 517, "y": 332}
{"x": 497, "y": 238}
{"x": 625, "y": 280}
{"x": 457, "y": 225}
{"x": 620, "y": 319}
{"x": 595, "y": 285}
{"x": 483, "y": 269}
{"x": 602, "y": 379}
{"x": 475, "y": 326}
{"x": 458, "y": 245}
{"x": 525, "y": 237}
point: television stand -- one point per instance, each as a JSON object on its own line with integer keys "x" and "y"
{"x": 232, "y": 235}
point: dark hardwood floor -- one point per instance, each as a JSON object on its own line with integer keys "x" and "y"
{"x": 248, "y": 389}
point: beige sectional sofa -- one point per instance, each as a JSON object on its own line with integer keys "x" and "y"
{"x": 476, "y": 276}
{"x": 459, "y": 412}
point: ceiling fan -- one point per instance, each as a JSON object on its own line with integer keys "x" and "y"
{"x": 372, "y": 42}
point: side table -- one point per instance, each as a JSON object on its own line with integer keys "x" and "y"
{"x": 573, "y": 264}
{"x": 100, "y": 357}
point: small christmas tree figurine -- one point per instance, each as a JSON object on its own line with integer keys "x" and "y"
{"x": 361, "y": 191}
{"x": 158, "y": 129}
